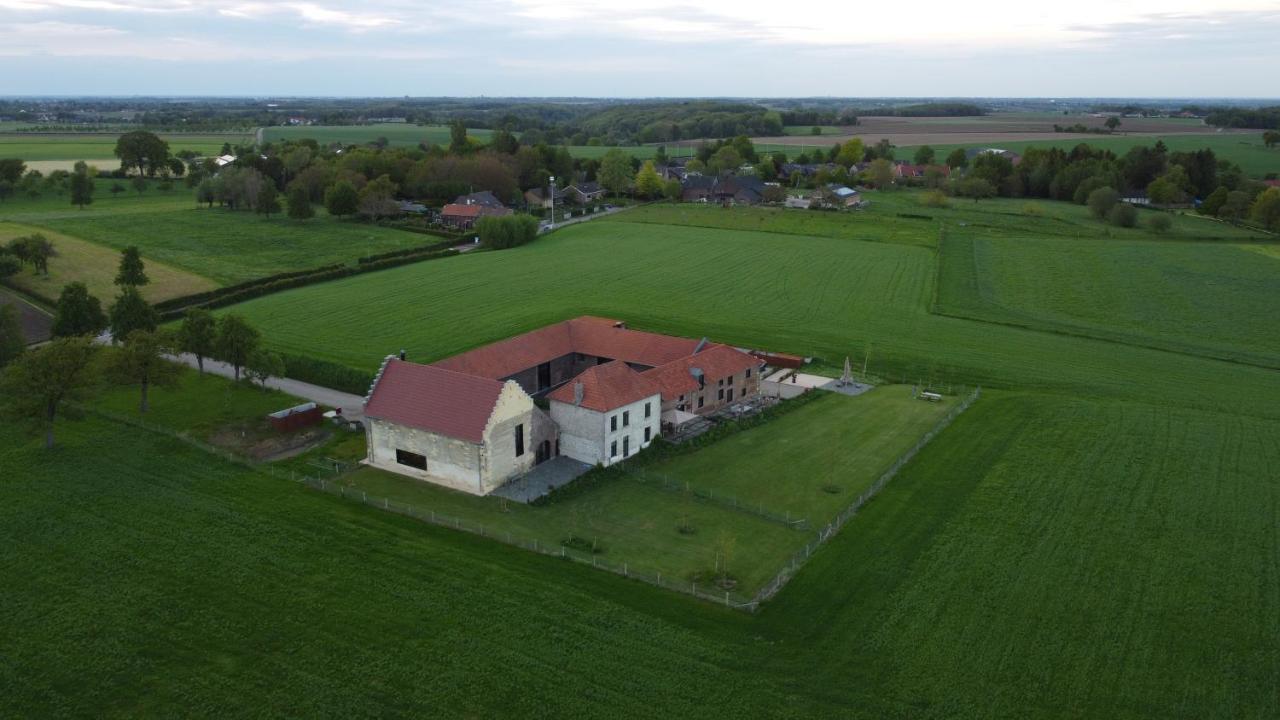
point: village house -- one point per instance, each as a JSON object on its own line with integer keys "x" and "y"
{"x": 584, "y": 193}
{"x": 484, "y": 198}
{"x": 470, "y": 421}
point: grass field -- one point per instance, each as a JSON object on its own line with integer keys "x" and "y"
{"x": 101, "y": 146}
{"x": 1043, "y": 558}
{"x": 1209, "y": 299}
{"x": 817, "y": 296}
{"x": 231, "y": 247}
{"x": 1243, "y": 149}
{"x": 397, "y": 134}
{"x": 95, "y": 266}
{"x": 1095, "y": 539}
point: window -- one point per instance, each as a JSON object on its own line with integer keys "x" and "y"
{"x": 730, "y": 394}
{"x": 613, "y": 449}
{"x": 613, "y": 423}
{"x": 647, "y": 434}
{"x": 626, "y": 418}
{"x": 626, "y": 445}
{"x": 648, "y": 411}
{"x": 720, "y": 382}
{"x": 700, "y": 399}
{"x": 411, "y": 459}
{"x": 730, "y": 379}
{"x": 519, "y": 440}
{"x": 748, "y": 372}
{"x": 721, "y": 395}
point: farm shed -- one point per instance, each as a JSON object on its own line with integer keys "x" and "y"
{"x": 298, "y": 416}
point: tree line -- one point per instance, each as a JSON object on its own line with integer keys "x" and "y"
{"x": 41, "y": 385}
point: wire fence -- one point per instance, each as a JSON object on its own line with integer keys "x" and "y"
{"x": 332, "y": 485}
{"x": 828, "y": 531}
{"x": 705, "y": 590}
{"x": 723, "y": 499}
{"x": 708, "y": 591}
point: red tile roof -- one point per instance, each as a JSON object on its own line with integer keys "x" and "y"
{"x": 434, "y": 399}
{"x": 453, "y": 210}
{"x": 716, "y": 361}
{"x": 607, "y": 387}
{"x": 587, "y": 335}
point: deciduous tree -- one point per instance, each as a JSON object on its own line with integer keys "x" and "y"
{"x": 81, "y": 189}
{"x": 341, "y": 199}
{"x": 615, "y": 171}
{"x": 262, "y": 365}
{"x": 143, "y": 150}
{"x": 268, "y": 200}
{"x": 198, "y": 335}
{"x": 1266, "y": 209}
{"x": 236, "y": 341}
{"x": 924, "y": 155}
{"x": 43, "y": 383}
{"x": 957, "y": 159}
{"x": 78, "y": 313}
{"x": 300, "y": 204}
{"x": 142, "y": 361}
{"x": 1101, "y": 201}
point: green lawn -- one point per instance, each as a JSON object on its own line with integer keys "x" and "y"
{"x": 101, "y": 146}
{"x": 229, "y": 246}
{"x": 814, "y": 461}
{"x": 782, "y": 466}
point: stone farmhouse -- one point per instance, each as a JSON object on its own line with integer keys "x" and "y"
{"x": 473, "y": 421}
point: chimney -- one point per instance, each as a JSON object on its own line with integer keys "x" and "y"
{"x": 402, "y": 353}
{"x": 577, "y": 393}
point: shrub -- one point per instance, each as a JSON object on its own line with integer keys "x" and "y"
{"x": 581, "y": 544}
{"x": 1101, "y": 202}
{"x": 511, "y": 231}
{"x": 1123, "y": 215}
{"x": 1160, "y": 224}
{"x": 326, "y": 374}
{"x": 935, "y": 198}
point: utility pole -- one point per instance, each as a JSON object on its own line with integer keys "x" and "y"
{"x": 553, "y": 203}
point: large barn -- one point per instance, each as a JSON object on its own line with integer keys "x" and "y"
{"x": 470, "y": 421}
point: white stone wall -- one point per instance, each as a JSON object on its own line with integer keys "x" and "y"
{"x": 588, "y": 436}
{"x": 581, "y": 432}
{"x": 514, "y": 407}
{"x": 450, "y": 462}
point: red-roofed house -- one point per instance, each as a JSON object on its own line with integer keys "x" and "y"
{"x": 464, "y": 216}
{"x": 606, "y": 414}
{"x": 469, "y": 422}
{"x": 465, "y": 432}
{"x": 707, "y": 380}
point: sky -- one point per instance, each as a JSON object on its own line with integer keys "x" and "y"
{"x": 642, "y": 48}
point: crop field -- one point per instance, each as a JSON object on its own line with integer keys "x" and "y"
{"x": 1044, "y": 557}
{"x": 95, "y": 266}
{"x": 99, "y": 148}
{"x": 1201, "y": 298}
{"x": 824, "y": 297}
